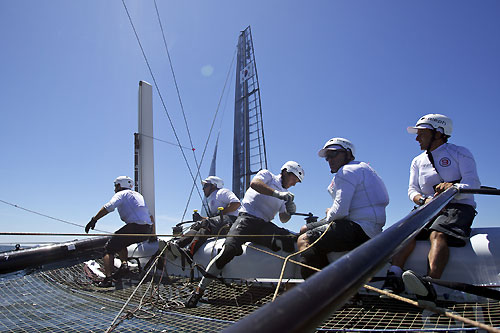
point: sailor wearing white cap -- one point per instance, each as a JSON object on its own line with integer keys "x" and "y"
{"x": 268, "y": 195}
{"x": 134, "y": 212}
{"x": 358, "y": 209}
{"x": 217, "y": 197}
{"x": 439, "y": 167}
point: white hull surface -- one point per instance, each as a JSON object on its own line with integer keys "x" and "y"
{"x": 251, "y": 265}
{"x": 142, "y": 253}
{"x": 477, "y": 263}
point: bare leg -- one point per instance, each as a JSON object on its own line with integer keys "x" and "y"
{"x": 123, "y": 254}
{"x": 438, "y": 254}
{"x": 400, "y": 258}
{"x": 108, "y": 264}
{"x": 302, "y": 242}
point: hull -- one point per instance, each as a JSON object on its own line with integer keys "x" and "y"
{"x": 476, "y": 263}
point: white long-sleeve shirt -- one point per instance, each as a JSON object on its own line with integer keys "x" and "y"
{"x": 260, "y": 205}
{"x": 452, "y": 163}
{"x": 359, "y": 195}
{"x": 221, "y": 198}
{"x": 131, "y": 207}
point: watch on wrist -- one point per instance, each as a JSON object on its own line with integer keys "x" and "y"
{"x": 421, "y": 201}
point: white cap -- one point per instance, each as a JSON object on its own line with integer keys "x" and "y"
{"x": 337, "y": 144}
{"x": 295, "y": 168}
{"x": 124, "y": 182}
{"x": 433, "y": 121}
{"x": 218, "y": 182}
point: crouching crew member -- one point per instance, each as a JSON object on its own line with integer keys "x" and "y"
{"x": 134, "y": 212}
{"x": 268, "y": 194}
{"x": 217, "y": 196}
{"x": 358, "y": 209}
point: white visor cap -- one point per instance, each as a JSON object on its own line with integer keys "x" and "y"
{"x": 414, "y": 129}
{"x": 322, "y": 152}
{"x": 337, "y": 144}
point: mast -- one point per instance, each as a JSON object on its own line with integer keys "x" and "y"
{"x": 249, "y": 150}
{"x": 144, "y": 150}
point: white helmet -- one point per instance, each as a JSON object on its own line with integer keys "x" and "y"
{"x": 336, "y": 144}
{"x": 213, "y": 180}
{"x": 295, "y": 168}
{"x": 125, "y": 182}
{"x": 433, "y": 121}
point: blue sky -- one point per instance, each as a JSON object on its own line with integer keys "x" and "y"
{"x": 364, "y": 70}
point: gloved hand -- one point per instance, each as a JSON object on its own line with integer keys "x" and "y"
{"x": 290, "y": 207}
{"x": 197, "y": 216}
{"x": 90, "y": 225}
{"x": 286, "y": 196}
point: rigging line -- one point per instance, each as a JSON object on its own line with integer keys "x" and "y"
{"x": 161, "y": 97}
{"x": 176, "y": 85}
{"x": 198, "y": 165}
{"x": 294, "y": 254}
{"x": 153, "y": 264}
{"x": 211, "y": 129}
{"x": 47, "y": 216}
{"x": 170, "y": 143}
{"x": 121, "y": 235}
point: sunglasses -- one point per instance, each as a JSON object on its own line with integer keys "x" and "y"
{"x": 333, "y": 153}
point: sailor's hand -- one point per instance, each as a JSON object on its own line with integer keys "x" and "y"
{"x": 90, "y": 225}
{"x": 290, "y": 207}
{"x": 286, "y": 196}
{"x": 197, "y": 216}
{"x": 441, "y": 187}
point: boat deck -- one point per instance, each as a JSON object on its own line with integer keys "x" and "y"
{"x": 65, "y": 299}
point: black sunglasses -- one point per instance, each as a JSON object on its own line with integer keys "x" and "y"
{"x": 333, "y": 153}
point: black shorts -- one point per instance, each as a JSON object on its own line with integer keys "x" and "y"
{"x": 116, "y": 243}
{"x": 343, "y": 235}
{"x": 455, "y": 221}
{"x": 247, "y": 224}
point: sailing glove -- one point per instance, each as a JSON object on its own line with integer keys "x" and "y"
{"x": 290, "y": 207}
{"x": 90, "y": 225}
{"x": 286, "y": 196}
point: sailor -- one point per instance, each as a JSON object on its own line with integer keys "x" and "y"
{"x": 217, "y": 197}
{"x": 358, "y": 209}
{"x": 440, "y": 166}
{"x": 268, "y": 194}
{"x": 134, "y": 212}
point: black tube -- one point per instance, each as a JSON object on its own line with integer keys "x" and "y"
{"x": 307, "y": 305}
{"x": 489, "y": 191}
{"x": 35, "y": 257}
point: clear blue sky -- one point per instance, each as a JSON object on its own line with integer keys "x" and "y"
{"x": 364, "y": 70}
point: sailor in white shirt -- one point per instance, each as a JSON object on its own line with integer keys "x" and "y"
{"x": 358, "y": 209}
{"x": 134, "y": 212}
{"x": 268, "y": 195}
{"x": 439, "y": 167}
{"x": 217, "y": 197}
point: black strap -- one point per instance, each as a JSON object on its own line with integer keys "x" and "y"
{"x": 468, "y": 288}
{"x": 429, "y": 155}
{"x": 460, "y": 286}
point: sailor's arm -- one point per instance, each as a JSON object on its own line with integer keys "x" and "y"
{"x": 233, "y": 206}
{"x": 261, "y": 187}
{"x": 91, "y": 225}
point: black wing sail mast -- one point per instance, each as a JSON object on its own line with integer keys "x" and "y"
{"x": 249, "y": 150}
